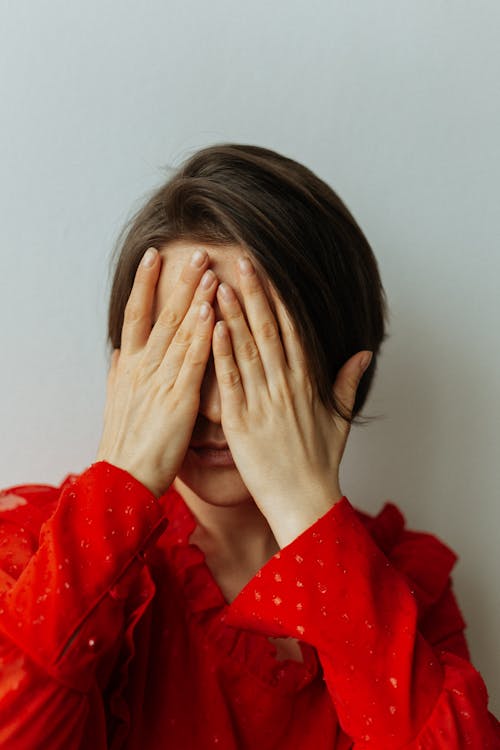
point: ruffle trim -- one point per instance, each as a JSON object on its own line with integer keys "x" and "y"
{"x": 206, "y": 607}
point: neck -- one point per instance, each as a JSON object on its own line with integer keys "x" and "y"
{"x": 236, "y": 534}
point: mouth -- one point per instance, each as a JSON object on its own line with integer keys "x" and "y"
{"x": 211, "y": 446}
{"x": 208, "y": 455}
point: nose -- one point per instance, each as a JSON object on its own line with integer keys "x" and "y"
{"x": 210, "y": 404}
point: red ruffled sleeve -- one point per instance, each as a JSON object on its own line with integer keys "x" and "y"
{"x": 375, "y": 600}
{"x": 72, "y": 585}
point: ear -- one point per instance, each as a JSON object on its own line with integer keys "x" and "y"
{"x": 348, "y": 379}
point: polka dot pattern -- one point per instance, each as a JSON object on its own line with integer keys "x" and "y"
{"x": 336, "y": 589}
{"x": 78, "y": 563}
{"x": 86, "y": 593}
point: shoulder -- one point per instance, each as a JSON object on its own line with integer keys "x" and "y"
{"x": 21, "y": 501}
{"x": 424, "y": 558}
{"x": 23, "y": 510}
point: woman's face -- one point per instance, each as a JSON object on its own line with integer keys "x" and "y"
{"x": 218, "y": 485}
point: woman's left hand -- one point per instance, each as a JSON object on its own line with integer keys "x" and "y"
{"x": 286, "y": 446}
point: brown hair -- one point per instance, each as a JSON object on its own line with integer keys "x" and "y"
{"x": 301, "y": 236}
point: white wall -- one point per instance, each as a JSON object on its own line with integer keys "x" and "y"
{"x": 394, "y": 103}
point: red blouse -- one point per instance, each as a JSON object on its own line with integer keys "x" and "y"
{"x": 114, "y": 633}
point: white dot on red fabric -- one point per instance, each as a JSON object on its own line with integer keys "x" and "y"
{"x": 393, "y": 682}
{"x": 300, "y": 629}
{"x": 299, "y": 558}
{"x": 299, "y": 584}
{"x": 277, "y": 577}
{"x": 258, "y": 595}
{"x": 277, "y": 600}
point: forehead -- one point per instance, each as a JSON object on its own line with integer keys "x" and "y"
{"x": 222, "y": 260}
{"x": 221, "y": 257}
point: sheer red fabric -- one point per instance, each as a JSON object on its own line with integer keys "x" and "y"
{"x": 114, "y": 633}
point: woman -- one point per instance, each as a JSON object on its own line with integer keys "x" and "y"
{"x": 205, "y": 583}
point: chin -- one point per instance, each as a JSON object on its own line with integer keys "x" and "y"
{"x": 216, "y": 486}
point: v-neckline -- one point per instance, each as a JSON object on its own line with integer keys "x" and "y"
{"x": 207, "y": 601}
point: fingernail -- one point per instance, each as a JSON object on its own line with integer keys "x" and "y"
{"x": 149, "y": 256}
{"x": 207, "y": 279}
{"x": 245, "y": 266}
{"x": 226, "y": 291}
{"x": 365, "y": 361}
{"x": 198, "y": 257}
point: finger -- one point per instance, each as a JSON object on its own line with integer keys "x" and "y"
{"x": 194, "y": 363}
{"x": 172, "y": 320}
{"x": 245, "y": 351}
{"x": 232, "y": 392}
{"x": 289, "y": 338}
{"x": 263, "y": 325}
{"x": 138, "y": 310}
{"x": 137, "y": 315}
{"x": 168, "y": 361}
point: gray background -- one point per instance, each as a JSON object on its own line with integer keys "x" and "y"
{"x": 394, "y": 103}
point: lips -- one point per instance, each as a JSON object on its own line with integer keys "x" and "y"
{"x": 209, "y": 456}
{"x": 211, "y": 446}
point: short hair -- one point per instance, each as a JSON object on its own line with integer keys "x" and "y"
{"x": 301, "y": 238}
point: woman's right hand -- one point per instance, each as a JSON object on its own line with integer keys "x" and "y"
{"x": 154, "y": 380}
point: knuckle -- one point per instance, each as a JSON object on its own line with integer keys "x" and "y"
{"x": 169, "y": 319}
{"x": 204, "y": 334}
{"x": 134, "y": 313}
{"x": 182, "y": 338}
{"x": 230, "y": 378}
{"x": 195, "y": 358}
{"x": 248, "y": 351}
{"x": 268, "y": 331}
